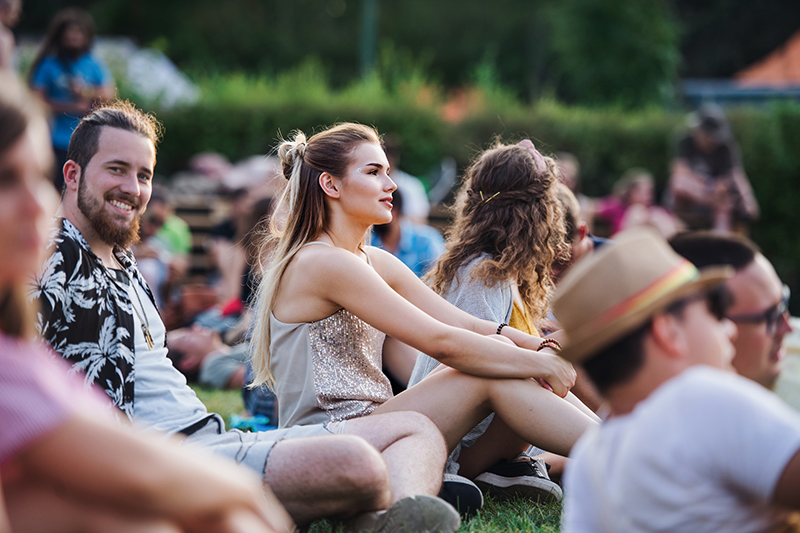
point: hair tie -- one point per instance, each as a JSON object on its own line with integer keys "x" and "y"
{"x": 300, "y": 146}
{"x": 538, "y": 160}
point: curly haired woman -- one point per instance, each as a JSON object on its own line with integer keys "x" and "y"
{"x": 507, "y": 232}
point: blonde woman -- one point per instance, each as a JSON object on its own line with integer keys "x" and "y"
{"x": 327, "y": 301}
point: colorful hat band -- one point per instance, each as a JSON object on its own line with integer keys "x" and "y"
{"x": 680, "y": 275}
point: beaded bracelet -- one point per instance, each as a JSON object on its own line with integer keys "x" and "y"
{"x": 500, "y": 327}
{"x": 549, "y": 343}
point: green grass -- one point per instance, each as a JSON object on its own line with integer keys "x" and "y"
{"x": 496, "y": 517}
{"x": 226, "y": 403}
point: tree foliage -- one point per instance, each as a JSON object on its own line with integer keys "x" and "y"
{"x": 614, "y": 51}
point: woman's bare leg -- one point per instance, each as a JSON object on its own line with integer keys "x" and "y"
{"x": 499, "y": 442}
{"x": 456, "y": 402}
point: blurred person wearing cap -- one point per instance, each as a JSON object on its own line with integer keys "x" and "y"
{"x": 760, "y": 300}
{"x": 708, "y": 188}
{"x": 682, "y": 444}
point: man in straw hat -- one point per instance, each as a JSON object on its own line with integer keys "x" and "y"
{"x": 683, "y": 444}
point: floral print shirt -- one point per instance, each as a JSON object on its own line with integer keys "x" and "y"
{"x": 86, "y": 314}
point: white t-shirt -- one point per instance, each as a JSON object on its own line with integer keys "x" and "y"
{"x": 161, "y": 398}
{"x": 702, "y": 453}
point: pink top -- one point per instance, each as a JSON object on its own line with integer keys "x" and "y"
{"x": 37, "y": 395}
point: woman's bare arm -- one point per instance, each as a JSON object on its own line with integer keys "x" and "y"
{"x": 324, "y": 280}
{"x": 405, "y": 283}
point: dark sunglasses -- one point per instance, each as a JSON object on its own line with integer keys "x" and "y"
{"x": 771, "y": 316}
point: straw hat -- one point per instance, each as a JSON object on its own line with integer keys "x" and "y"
{"x": 618, "y": 288}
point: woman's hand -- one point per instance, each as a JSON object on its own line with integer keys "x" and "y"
{"x": 559, "y": 374}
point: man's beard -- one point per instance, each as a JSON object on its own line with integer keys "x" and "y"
{"x": 105, "y": 225}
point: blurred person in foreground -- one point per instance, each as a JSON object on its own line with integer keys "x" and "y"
{"x": 760, "y": 300}
{"x": 708, "y": 188}
{"x": 99, "y": 314}
{"x": 69, "y": 77}
{"x": 682, "y": 444}
{"x": 65, "y": 465}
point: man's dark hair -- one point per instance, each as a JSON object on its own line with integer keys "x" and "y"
{"x": 123, "y": 115}
{"x": 707, "y": 248}
{"x": 619, "y": 362}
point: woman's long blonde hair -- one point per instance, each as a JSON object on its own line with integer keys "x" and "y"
{"x": 302, "y": 162}
{"x": 507, "y": 209}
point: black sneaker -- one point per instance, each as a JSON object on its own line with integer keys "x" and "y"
{"x": 462, "y": 494}
{"x": 527, "y": 479}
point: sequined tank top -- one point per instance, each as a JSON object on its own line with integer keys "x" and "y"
{"x": 327, "y": 370}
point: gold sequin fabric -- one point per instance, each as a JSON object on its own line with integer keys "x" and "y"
{"x": 347, "y": 358}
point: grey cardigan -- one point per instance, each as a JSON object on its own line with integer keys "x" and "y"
{"x": 476, "y": 298}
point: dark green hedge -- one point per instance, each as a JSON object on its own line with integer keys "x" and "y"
{"x": 607, "y": 142}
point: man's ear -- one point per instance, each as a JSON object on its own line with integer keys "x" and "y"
{"x": 668, "y": 335}
{"x": 329, "y": 185}
{"x": 72, "y": 174}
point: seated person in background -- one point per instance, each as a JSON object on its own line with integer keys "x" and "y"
{"x": 581, "y": 244}
{"x": 569, "y": 173}
{"x": 69, "y": 77}
{"x": 174, "y": 234}
{"x": 224, "y": 246}
{"x": 708, "y": 188}
{"x": 631, "y": 204}
{"x": 682, "y": 447}
{"x": 152, "y": 256}
{"x": 418, "y": 246}
{"x": 760, "y": 300}
{"x": 580, "y": 241}
{"x": 417, "y": 206}
{"x": 202, "y": 357}
{"x": 65, "y": 465}
{"x": 10, "y": 11}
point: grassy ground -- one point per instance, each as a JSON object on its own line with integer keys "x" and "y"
{"x": 496, "y": 517}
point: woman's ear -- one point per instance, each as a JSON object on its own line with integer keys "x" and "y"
{"x": 329, "y": 185}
